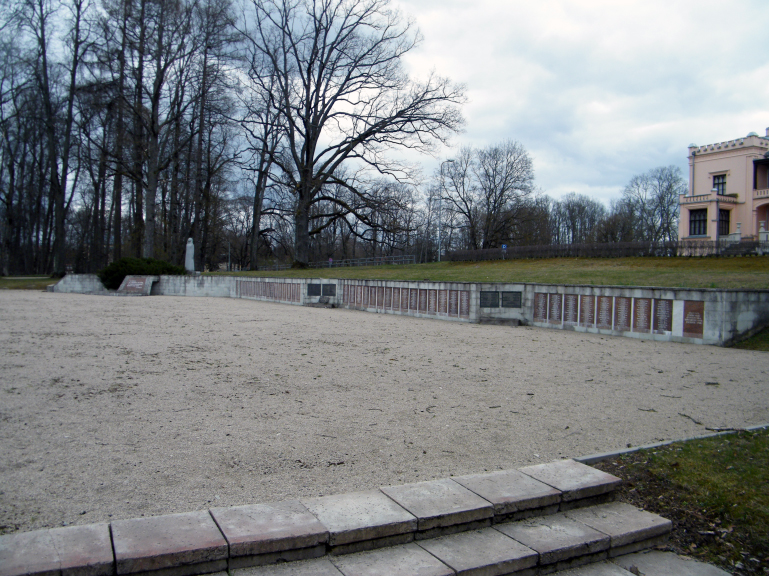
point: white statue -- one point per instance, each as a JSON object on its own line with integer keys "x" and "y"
{"x": 189, "y": 257}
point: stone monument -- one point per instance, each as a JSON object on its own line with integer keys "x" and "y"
{"x": 189, "y": 256}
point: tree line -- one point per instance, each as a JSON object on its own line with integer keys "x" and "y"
{"x": 263, "y": 129}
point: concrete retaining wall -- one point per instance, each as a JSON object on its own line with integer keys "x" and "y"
{"x": 706, "y": 316}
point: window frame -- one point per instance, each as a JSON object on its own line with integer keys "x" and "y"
{"x": 719, "y": 183}
{"x": 724, "y": 222}
{"x": 698, "y": 222}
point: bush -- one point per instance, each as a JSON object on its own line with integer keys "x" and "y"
{"x": 112, "y": 276}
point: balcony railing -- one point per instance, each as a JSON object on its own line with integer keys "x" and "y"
{"x": 758, "y": 194}
{"x": 711, "y": 198}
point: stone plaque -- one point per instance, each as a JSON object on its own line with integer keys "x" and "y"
{"x": 380, "y": 297}
{"x": 511, "y": 299}
{"x": 413, "y": 296}
{"x": 605, "y": 311}
{"x": 372, "y": 296}
{"x": 570, "y": 309}
{"x": 442, "y": 301}
{"x": 540, "y": 307}
{"x": 663, "y": 316}
{"x": 388, "y": 300}
{"x": 359, "y": 296}
{"x": 464, "y": 303}
{"x": 622, "y": 313}
{"x": 642, "y": 314}
{"x": 422, "y": 300}
{"x": 554, "y": 303}
{"x": 432, "y": 301}
{"x": 366, "y": 296}
{"x": 396, "y": 298}
{"x": 587, "y": 311}
{"x": 404, "y": 299}
{"x": 133, "y": 285}
{"x": 329, "y": 290}
{"x": 489, "y": 299}
{"x": 453, "y": 303}
{"x": 694, "y": 318}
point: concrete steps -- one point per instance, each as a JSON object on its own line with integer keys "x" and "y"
{"x": 534, "y": 520}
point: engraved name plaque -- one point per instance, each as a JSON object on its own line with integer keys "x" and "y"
{"x": 605, "y": 310}
{"x": 622, "y": 314}
{"x": 464, "y": 303}
{"x": 555, "y": 301}
{"x": 694, "y": 318}
{"x": 453, "y": 303}
{"x": 663, "y": 316}
{"x": 511, "y": 299}
{"x": 443, "y": 299}
{"x": 540, "y": 307}
{"x": 570, "y": 308}
{"x": 489, "y": 299}
{"x": 587, "y": 311}
{"x": 642, "y": 315}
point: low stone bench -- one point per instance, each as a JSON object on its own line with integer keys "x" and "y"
{"x": 547, "y": 503}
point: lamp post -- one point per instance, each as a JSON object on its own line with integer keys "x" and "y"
{"x": 440, "y": 205}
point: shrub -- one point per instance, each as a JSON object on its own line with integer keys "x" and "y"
{"x": 112, "y": 276}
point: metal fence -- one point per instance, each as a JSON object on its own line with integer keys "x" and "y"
{"x": 614, "y": 250}
{"x": 331, "y": 263}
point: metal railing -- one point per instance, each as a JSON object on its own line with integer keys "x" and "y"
{"x": 331, "y": 263}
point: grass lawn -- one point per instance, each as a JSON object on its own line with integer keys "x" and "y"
{"x": 26, "y": 282}
{"x": 742, "y": 272}
{"x": 715, "y": 491}
{"x": 758, "y": 341}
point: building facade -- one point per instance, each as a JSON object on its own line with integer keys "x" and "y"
{"x": 728, "y": 196}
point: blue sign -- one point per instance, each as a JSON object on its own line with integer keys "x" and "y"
{"x": 504, "y": 246}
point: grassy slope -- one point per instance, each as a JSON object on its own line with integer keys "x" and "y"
{"x": 748, "y": 272}
{"x": 26, "y": 282}
{"x": 715, "y": 490}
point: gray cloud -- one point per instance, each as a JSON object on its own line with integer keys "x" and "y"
{"x": 600, "y": 90}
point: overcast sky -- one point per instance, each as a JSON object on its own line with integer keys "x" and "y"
{"x": 599, "y": 90}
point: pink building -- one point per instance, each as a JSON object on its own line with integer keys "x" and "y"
{"x": 728, "y": 197}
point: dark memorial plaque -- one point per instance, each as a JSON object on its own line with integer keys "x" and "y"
{"x": 663, "y": 316}
{"x": 413, "y": 297}
{"x": 489, "y": 299}
{"x": 432, "y": 301}
{"x": 622, "y": 313}
{"x": 404, "y": 299}
{"x": 570, "y": 309}
{"x": 464, "y": 303}
{"x": 453, "y": 303}
{"x": 605, "y": 312}
{"x": 422, "y": 300}
{"x": 442, "y": 301}
{"x": 329, "y": 290}
{"x": 313, "y": 289}
{"x": 540, "y": 307}
{"x": 642, "y": 314}
{"x": 554, "y": 303}
{"x": 388, "y": 301}
{"x": 511, "y": 299}
{"x": 587, "y": 311}
{"x": 380, "y": 297}
{"x": 694, "y": 319}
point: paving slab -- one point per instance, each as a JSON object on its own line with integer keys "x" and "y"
{"x": 623, "y": 523}
{"x": 556, "y": 538}
{"x": 29, "y": 553}
{"x": 510, "y": 491}
{"x": 658, "y": 563}
{"x": 319, "y": 567}
{"x": 174, "y": 540}
{"x": 360, "y": 516}
{"x": 574, "y": 479}
{"x": 604, "y": 568}
{"x": 484, "y": 552}
{"x": 440, "y": 503}
{"x": 408, "y": 560}
{"x": 267, "y": 528}
{"x": 84, "y": 550}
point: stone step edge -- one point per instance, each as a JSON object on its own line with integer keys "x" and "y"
{"x": 204, "y": 541}
{"x": 524, "y": 548}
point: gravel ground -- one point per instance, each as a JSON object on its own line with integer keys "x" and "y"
{"x": 123, "y": 407}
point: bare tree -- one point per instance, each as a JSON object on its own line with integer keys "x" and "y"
{"x": 653, "y": 199}
{"x": 488, "y": 188}
{"x": 343, "y": 95}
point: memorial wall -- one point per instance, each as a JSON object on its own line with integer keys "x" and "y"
{"x": 706, "y": 316}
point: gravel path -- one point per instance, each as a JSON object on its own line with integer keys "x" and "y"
{"x": 121, "y": 407}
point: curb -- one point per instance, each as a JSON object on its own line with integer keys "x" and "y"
{"x": 593, "y": 458}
